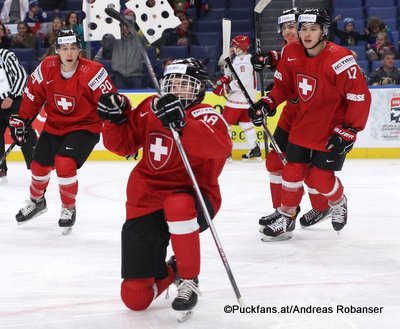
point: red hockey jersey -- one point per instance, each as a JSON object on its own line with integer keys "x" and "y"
{"x": 331, "y": 90}
{"x": 161, "y": 171}
{"x": 70, "y": 104}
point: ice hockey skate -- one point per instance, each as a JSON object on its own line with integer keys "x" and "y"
{"x": 67, "y": 220}
{"x": 313, "y": 217}
{"x": 32, "y": 209}
{"x": 339, "y": 214}
{"x": 269, "y": 219}
{"x": 186, "y": 300}
{"x": 3, "y": 176}
{"x": 280, "y": 229}
{"x": 253, "y": 154}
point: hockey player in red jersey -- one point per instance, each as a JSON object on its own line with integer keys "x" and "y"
{"x": 68, "y": 87}
{"x": 334, "y": 103}
{"x": 161, "y": 203}
{"x": 287, "y": 28}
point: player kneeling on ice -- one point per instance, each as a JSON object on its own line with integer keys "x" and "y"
{"x": 68, "y": 87}
{"x": 161, "y": 202}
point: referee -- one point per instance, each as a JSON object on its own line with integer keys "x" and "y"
{"x": 12, "y": 83}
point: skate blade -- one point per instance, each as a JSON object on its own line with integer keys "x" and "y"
{"x": 282, "y": 237}
{"x": 28, "y": 220}
{"x": 252, "y": 160}
{"x": 229, "y": 160}
{"x": 66, "y": 230}
{"x": 261, "y": 228}
{"x": 182, "y": 316}
{"x": 3, "y": 180}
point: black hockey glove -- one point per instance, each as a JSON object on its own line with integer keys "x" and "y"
{"x": 112, "y": 107}
{"x": 260, "y": 61}
{"x": 17, "y": 127}
{"x": 265, "y": 106}
{"x": 169, "y": 110}
{"x": 342, "y": 140}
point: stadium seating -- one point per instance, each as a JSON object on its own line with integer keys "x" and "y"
{"x": 365, "y": 66}
{"x": 24, "y": 54}
{"x": 360, "y": 50}
{"x": 203, "y": 52}
{"x": 174, "y": 52}
{"x": 349, "y": 4}
{"x": 217, "y": 4}
{"x": 73, "y": 5}
{"x": 209, "y": 38}
{"x": 355, "y": 13}
{"x": 207, "y": 26}
{"x": 384, "y": 13}
{"x": 378, "y": 3}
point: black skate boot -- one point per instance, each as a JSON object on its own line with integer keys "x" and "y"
{"x": 313, "y": 217}
{"x": 280, "y": 229}
{"x": 32, "y": 209}
{"x": 172, "y": 262}
{"x": 3, "y": 176}
{"x": 339, "y": 214}
{"x": 188, "y": 292}
{"x": 253, "y": 154}
{"x": 269, "y": 219}
{"x": 67, "y": 220}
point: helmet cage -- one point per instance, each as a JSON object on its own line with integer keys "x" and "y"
{"x": 186, "y": 79}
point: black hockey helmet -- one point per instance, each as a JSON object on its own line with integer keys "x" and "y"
{"x": 187, "y": 79}
{"x": 67, "y": 36}
{"x": 315, "y": 16}
{"x": 288, "y": 16}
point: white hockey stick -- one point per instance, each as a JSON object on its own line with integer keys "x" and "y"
{"x": 226, "y": 40}
{"x": 115, "y": 14}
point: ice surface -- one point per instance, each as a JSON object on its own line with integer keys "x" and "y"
{"x": 52, "y": 281}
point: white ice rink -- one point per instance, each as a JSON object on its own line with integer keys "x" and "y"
{"x": 52, "y": 281}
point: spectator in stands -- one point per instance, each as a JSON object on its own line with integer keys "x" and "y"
{"x": 381, "y": 45}
{"x": 35, "y": 17}
{"x": 24, "y": 37}
{"x": 50, "y": 37}
{"x": 72, "y": 20}
{"x": 13, "y": 11}
{"x": 181, "y": 6}
{"x": 53, "y": 5}
{"x": 202, "y": 6}
{"x": 348, "y": 37}
{"x": 126, "y": 60}
{"x": 374, "y": 26}
{"x": 180, "y": 36}
{"x": 5, "y": 41}
{"x": 387, "y": 74}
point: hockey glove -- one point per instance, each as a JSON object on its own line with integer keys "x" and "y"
{"x": 260, "y": 61}
{"x": 342, "y": 140}
{"x": 112, "y": 107}
{"x": 264, "y": 107}
{"x": 169, "y": 110}
{"x": 221, "y": 86}
{"x": 17, "y": 127}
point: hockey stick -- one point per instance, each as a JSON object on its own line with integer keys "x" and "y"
{"x": 121, "y": 18}
{"x": 115, "y": 14}
{"x": 13, "y": 144}
{"x": 257, "y": 29}
{"x": 251, "y": 103}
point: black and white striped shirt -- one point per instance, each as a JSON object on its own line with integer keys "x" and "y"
{"x": 14, "y": 73}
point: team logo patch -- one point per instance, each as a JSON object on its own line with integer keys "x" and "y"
{"x": 306, "y": 86}
{"x": 65, "y": 104}
{"x": 159, "y": 149}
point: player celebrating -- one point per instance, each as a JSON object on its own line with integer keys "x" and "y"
{"x": 161, "y": 203}
{"x": 68, "y": 87}
{"x": 333, "y": 106}
{"x": 235, "y": 109}
{"x": 287, "y": 29}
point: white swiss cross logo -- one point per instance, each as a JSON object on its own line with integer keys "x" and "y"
{"x": 160, "y": 149}
{"x": 65, "y": 104}
{"x": 306, "y": 86}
